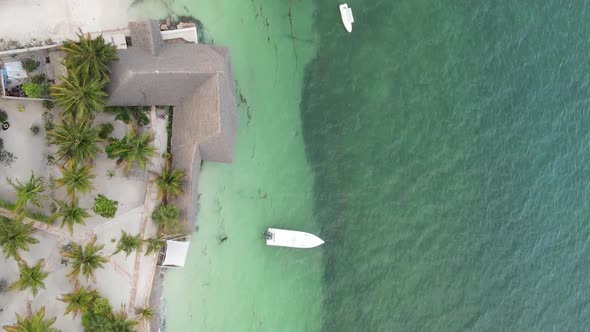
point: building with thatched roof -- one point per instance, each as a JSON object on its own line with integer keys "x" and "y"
{"x": 196, "y": 79}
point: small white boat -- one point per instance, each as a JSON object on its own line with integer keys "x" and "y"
{"x": 292, "y": 239}
{"x": 347, "y": 17}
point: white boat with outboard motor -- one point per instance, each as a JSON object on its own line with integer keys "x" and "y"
{"x": 347, "y": 18}
{"x": 291, "y": 239}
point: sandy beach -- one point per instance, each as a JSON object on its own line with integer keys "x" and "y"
{"x": 38, "y": 19}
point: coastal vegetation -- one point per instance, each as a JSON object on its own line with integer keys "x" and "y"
{"x": 98, "y": 316}
{"x": 105, "y": 130}
{"x": 15, "y": 236}
{"x": 130, "y": 115}
{"x": 35, "y": 323}
{"x": 32, "y": 90}
{"x": 75, "y": 142}
{"x": 75, "y": 178}
{"x": 78, "y": 300}
{"x": 85, "y": 259}
{"x": 154, "y": 245}
{"x": 70, "y": 214}
{"x": 80, "y": 95}
{"x": 31, "y": 277}
{"x": 134, "y": 148}
{"x": 170, "y": 182}
{"x": 128, "y": 243}
{"x": 89, "y": 56}
{"x": 28, "y": 192}
{"x": 166, "y": 216}
{"x": 105, "y": 207}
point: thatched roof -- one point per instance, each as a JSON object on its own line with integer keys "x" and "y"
{"x": 194, "y": 78}
{"x": 146, "y": 35}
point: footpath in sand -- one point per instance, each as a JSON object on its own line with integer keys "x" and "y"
{"x": 125, "y": 281}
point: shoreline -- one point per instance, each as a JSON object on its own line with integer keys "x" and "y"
{"x": 268, "y": 64}
{"x": 141, "y": 274}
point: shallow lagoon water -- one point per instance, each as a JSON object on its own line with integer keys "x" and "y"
{"x": 441, "y": 150}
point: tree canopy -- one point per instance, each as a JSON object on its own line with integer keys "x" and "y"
{"x": 89, "y": 56}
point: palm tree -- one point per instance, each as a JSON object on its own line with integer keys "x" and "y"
{"x": 89, "y": 56}
{"x": 128, "y": 243}
{"x": 31, "y": 191}
{"x": 135, "y": 148}
{"x": 34, "y": 323}
{"x": 154, "y": 245}
{"x": 80, "y": 95}
{"x": 145, "y": 315}
{"x": 14, "y": 236}
{"x": 79, "y": 300}
{"x": 75, "y": 140}
{"x": 120, "y": 323}
{"x": 139, "y": 115}
{"x": 86, "y": 259}
{"x": 170, "y": 182}
{"x": 70, "y": 214}
{"x": 75, "y": 178}
{"x": 31, "y": 277}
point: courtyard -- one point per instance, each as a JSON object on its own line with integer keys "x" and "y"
{"x": 136, "y": 197}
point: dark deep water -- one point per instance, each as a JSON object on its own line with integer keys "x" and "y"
{"x": 450, "y": 146}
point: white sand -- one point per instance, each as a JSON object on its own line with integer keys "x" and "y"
{"x": 124, "y": 281}
{"x": 23, "y": 20}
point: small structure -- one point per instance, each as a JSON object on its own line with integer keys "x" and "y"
{"x": 187, "y": 34}
{"x": 173, "y": 254}
{"x": 117, "y": 39}
{"x": 14, "y": 70}
{"x": 15, "y": 73}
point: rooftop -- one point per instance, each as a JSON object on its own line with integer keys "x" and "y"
{"x": 194, "y": 78}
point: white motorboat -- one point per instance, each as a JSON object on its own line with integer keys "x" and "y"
{"x": 347, "y": 18}
{"x": 291, "y": 239}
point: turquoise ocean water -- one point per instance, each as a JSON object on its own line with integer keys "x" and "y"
{"x": 441, "y": 150}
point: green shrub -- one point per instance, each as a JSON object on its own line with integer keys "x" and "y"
{"x": 98, "y": 316}
{"x": 48, "y": 121}
{"x": 170, "y": 114}
{"x": 39, "y": 79}
{"x": 3, "y": 116}
{"x": 105, "y": 130}
{"x": 32, "y": 90}
{"x": 101, "y": 306}
{"x": 48, "y": 104}
{"x": 30, "y": 65}
{"x": 167, "y": 217}
{"x": 105, "y": 207}
{"x": 127, "y": 114}
{"x": 7, "y": 158}
{"x": 115, "y": 145}
{"x": 165, "y": 214}
{"x": 45, "y": 90}
{"x": 34, "y": 129}
{"x": 32, "y": 215}
{"x": 50, "y": 159}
